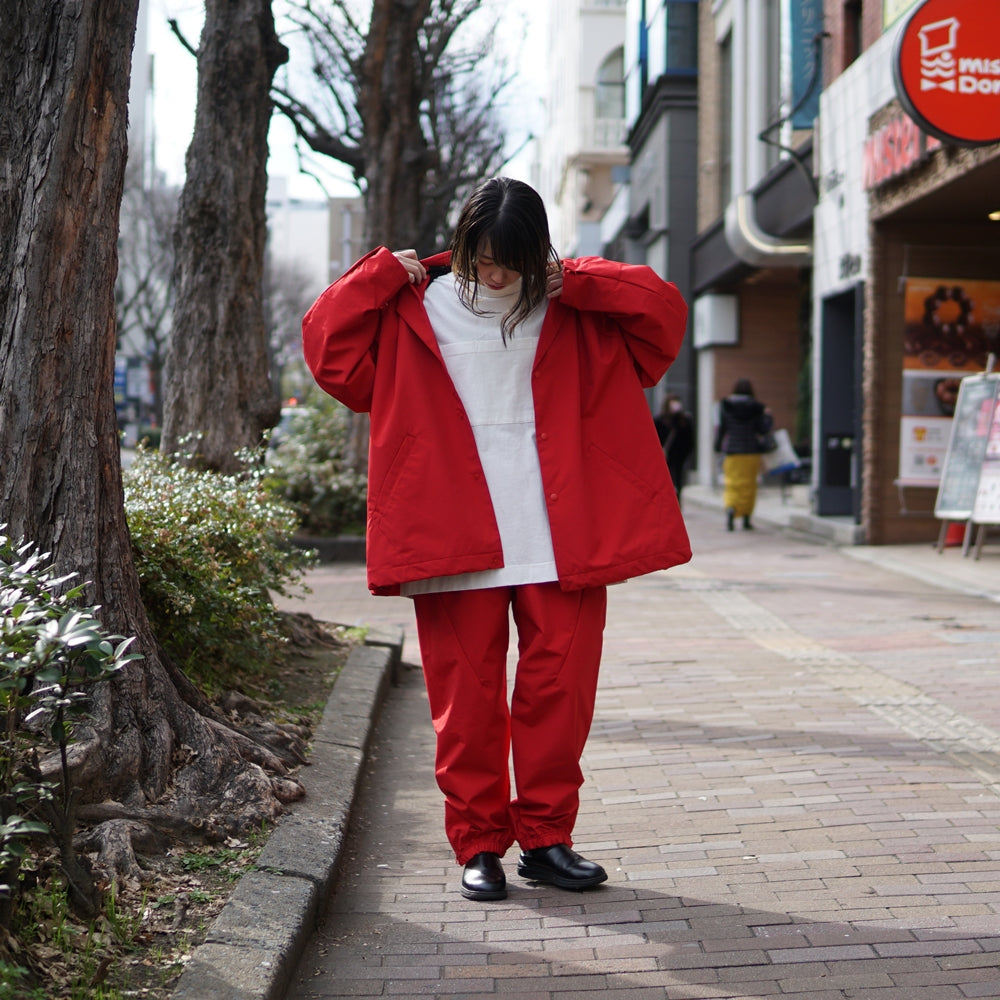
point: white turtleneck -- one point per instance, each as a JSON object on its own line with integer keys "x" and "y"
{"x": 494, "y": 384}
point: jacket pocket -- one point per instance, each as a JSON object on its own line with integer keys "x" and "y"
{"x": 385, "y": 492}
{"x": 624, "y": 473}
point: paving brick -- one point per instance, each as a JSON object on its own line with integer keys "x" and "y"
{"x": 772, "y": 824}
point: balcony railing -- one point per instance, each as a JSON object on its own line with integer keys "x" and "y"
{"x": 604, "y": 133}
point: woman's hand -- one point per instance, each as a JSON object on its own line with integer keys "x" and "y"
{"x": 554, "y": 281}
{"x": 415, "y": 271}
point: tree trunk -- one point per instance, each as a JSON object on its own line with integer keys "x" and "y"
{"x": 149, "y": 753}
{"x": 217, "y": 374}
{"x": 396, "y": 155}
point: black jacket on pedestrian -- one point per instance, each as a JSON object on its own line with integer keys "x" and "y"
{"x": 742, "y": 422}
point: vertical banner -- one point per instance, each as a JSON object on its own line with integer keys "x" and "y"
{"x": 807, "y": 75}
{"x": 950, "y": 327}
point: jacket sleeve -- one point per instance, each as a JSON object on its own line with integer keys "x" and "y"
{"x": 649, "y": 312}
{"x": 341, "y": 330}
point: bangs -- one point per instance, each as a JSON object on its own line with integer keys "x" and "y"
{"x": 513, "y": 247}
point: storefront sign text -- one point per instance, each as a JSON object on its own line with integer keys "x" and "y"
{"x": 894, "y": 149}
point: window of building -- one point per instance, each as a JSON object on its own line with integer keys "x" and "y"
{"x": 725, "y": 119}
{"x": 609, "y": 94}
{"x": 851, "y": 31}
{"x": 682, "y": 35}
{"x": 772, "y": 69}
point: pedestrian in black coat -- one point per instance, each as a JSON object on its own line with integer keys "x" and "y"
{"x": 743, "y": 422}
{"x": 676, "y": 432}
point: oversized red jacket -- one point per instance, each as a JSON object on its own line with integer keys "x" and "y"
{"x": 612, "y": 507}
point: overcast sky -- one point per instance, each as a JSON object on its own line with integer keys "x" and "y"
{"x": 175, "y": 91}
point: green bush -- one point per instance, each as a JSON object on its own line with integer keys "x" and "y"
{"x": 309, "y": 465}
{"x": 210, "y": 549}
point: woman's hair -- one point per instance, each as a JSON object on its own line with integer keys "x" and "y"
{"x": 743, "y": 387}
{"x": 510, "y": 216}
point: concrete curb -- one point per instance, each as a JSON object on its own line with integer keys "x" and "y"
{"x": 254, "y": 945}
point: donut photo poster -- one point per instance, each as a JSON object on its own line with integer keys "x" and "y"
{"x": 951, "y": 326}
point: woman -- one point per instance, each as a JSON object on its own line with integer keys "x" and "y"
{"x": 676, "y": 433}
{"x": 743, "y": 422}
{"x": 510, "y": 471}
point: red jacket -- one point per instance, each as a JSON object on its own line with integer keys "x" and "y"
{"x": 612, "y": 507}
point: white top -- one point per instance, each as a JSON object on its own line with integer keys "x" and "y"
{"x": 494, "y": 383}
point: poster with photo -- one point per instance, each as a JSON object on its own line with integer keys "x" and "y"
{"x": 970, "y": 430}
{"x": 950, "y": 328}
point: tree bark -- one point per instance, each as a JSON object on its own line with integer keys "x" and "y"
{"x": 395, "y": 151}
{"x": 217, "y": 372}
{"x": 151, "y": 748}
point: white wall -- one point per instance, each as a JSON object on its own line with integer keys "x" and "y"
{"x": 840, "y": 221}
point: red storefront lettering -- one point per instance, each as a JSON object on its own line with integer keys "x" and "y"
{"x": 891, "y": 151}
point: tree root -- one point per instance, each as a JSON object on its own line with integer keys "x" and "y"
{"x": 116, "y": 842}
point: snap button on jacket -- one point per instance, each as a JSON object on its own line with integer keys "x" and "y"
{"x": 612, "y": 507}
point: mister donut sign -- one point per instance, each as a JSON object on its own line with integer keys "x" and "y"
{"x": 947, "y": 70}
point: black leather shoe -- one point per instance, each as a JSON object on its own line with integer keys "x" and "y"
{"x": 560, "y": 865}
{"x": 484, "y": 877}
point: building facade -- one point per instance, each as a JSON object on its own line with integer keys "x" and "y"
{"x": 582, "y": 150}
{"x": 661, "y": 102}
{"x": 617, "y": 158}
{"x": 751, "y": 259}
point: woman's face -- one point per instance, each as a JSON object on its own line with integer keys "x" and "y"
{"x": 490, "y": 273}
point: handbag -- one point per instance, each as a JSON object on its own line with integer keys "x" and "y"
{"x": 766, "y": 442}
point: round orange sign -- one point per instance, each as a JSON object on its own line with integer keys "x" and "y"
{"x": 947, "y": 70}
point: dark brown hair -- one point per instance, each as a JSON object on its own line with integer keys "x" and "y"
{"x": 510, "y": 216}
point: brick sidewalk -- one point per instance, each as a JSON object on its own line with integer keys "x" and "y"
{"x": 793, "y": 780}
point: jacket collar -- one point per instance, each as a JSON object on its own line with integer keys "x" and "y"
{"x": 411, "y": 309}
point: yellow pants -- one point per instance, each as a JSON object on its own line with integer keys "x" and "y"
{"x": 739, "y": 478}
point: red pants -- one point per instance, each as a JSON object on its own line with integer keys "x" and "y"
{"x": 464, "y": 636}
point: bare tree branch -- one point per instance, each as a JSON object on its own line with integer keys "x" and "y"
{"x": 409, "y": 100}
{"x": 181, "y": 37}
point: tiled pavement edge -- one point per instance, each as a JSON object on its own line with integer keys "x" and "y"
{"x": 254, "y": 944}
